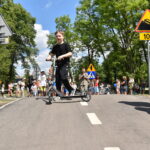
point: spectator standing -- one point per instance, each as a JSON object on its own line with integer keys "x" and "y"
{"x": 34, "y": 88}
{"x": 91, "y": 86}
{"x": 102, "y": 89}
{"x": 29, "y": 84}
{"x": 17, "y": 89}
{"x": 38, "y": 87}
{"x": 83, "y": 77}
{"x": 10, "y": 89}
{"x": 124, "y": 85}
{"x": 143, "y": 86}
{"x": 22, "y": 87}
{"x": 96, "y": 85}
{"x": 3, "y": 89}
{"x": 43, "y": 79}
{"x": 131, "y": 84}
{"x": 118, "y": 86}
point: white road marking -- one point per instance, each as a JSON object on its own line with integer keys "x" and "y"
{"x": 10, "y": 103}
{"x": 93, "y": 119}
{"x": 84, "y": 103}
{"x": 111, "y": 148}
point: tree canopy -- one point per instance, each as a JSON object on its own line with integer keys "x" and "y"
{"x": 22, "y": 45}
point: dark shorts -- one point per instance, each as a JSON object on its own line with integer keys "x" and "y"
{"x": 62, "y": 73}
{"x": 124, "y": 88}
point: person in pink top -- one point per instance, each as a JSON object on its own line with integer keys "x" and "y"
{"x": 96, "y": 85}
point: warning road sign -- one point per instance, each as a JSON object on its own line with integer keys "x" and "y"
{"x": 4, "y": 28}
{"x": 91, "y": 68}
{"x": 144, "y": 23}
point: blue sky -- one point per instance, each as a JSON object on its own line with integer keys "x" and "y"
{"x": 45, "y": 11}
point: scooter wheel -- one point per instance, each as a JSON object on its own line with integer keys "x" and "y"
{"x": 50, "y": 97}
{"x": 86, "y": 98}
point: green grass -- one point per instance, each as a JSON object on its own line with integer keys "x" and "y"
{"x": 5, "y": 101}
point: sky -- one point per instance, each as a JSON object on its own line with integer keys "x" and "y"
{"x": 45, "y": 12}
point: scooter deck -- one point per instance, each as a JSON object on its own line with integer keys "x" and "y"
{"x": 75, "y": 96}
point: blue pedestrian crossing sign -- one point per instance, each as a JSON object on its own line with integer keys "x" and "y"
{"x": 91, "y": 72}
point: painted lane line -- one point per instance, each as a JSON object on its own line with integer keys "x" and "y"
{"x": 93, "y": 119}
{"x": 10, "y": 103}
{"x": 84, "y": 103}
{"x": 111, "y": 148}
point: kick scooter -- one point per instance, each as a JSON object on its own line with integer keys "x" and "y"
{"x": 83, "y": 94}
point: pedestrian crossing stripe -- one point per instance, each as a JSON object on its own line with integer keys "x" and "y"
{"x": 91, "y": 68}
{"x": 91, "y": 74}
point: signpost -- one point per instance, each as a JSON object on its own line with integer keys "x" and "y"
{"x": 143, "y": 28}
{"x": 91, "y": 72}
{"x": 5, "y": 31}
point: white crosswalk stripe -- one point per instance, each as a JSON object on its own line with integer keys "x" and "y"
{"x": 93, "y": 119}
{"x": 84, "y": 103}
{"x": 111, "y": 148}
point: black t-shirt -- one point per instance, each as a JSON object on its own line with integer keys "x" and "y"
{"x": 125, "y": 83}
{"x": 61, "y": 49}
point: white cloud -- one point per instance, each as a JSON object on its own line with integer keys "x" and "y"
{"x": 20, "y": 70}
{"x": 41, "y": 36}
{"x": 41, "y": 42}
{"x": 48, "y": 5}
{"x": 44, "y": 65}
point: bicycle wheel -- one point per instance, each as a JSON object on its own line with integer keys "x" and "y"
{"x": 86, "y": 98}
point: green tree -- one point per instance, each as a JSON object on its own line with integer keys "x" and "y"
{"x": 22, "y": 44}
{"x": 108, "y": 26}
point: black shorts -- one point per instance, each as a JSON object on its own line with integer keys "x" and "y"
{"x": 62, "y": 73}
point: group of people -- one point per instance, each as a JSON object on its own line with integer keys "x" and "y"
{"x": 128, "y": 86}
{"x": 17, "y": 89}
{"x": 63, "y": 52}
{"x": 41, "y": 86}
{"x": 94, "y": 86}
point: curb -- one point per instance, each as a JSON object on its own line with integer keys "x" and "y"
{"x": 9, "y": 103}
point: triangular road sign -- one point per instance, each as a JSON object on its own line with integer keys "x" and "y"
{"x": 144, "y": 23}
{"x": 4, "y": 28}
{"x": 91, "y": 68}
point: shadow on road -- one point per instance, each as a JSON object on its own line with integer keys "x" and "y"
{"x": 45, "y": 99}
{"x": 141, "y": 106}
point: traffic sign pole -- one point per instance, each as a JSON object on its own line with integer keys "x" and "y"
{"x": 143, "y": 28}
{"x": 149, "y": 65}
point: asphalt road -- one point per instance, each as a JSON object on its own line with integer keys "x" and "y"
{"x": 107, "y": 122}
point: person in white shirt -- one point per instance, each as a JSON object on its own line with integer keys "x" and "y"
{"x": 42, "y": 79}
{"x": 34, "y": 88}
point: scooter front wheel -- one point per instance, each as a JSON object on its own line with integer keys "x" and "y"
{"x": 86, "y": 97}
